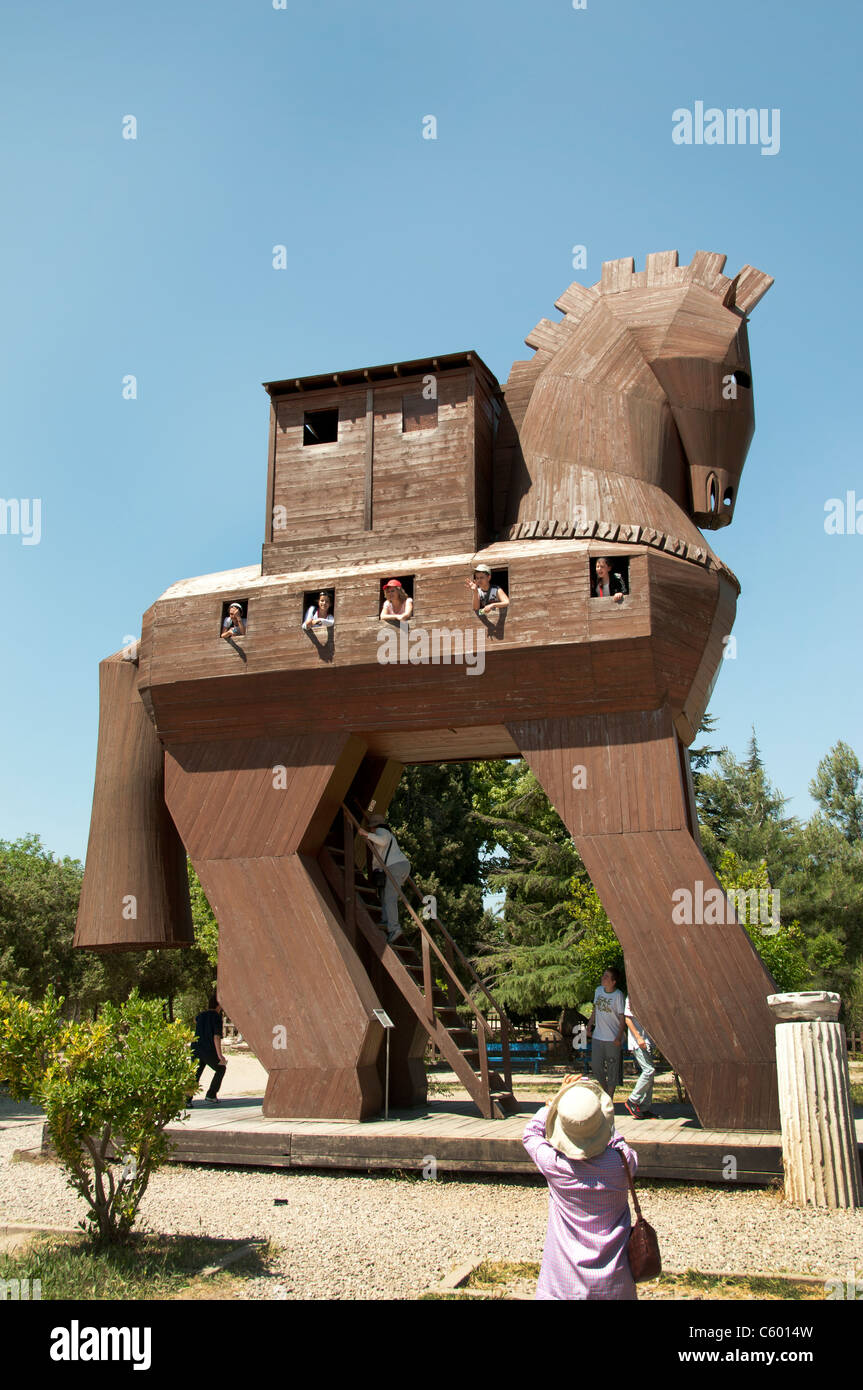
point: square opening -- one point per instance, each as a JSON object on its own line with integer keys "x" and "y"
{"x": 418, "y": 413}
{"x": 313, "y": 603}
{"x": 407, "y": 583}
{"x": 618, "y": 578}
{"x": 226, "y": 615}
{"x": 320, "y": 427}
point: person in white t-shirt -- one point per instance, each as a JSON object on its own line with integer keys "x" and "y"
{"x": 397, "y": 865}
{"x": 607, "y": 1026}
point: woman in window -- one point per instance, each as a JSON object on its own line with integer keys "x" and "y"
{"x": 608, "y": 584}
{"x": 321, "y": 614}
{"x": 398, "y": 607}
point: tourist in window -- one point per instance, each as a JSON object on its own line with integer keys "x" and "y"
{"x": 235, "y": 624}
{"x": 487, "y": 597}
{"x": 320, "y": 614}
{"x": 608, "y": 584}
{"x": 398, "y": 606}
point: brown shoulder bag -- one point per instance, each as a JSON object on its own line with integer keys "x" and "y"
{"x": 645, "y": 1260}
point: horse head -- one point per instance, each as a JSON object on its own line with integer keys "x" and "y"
{"x": 637, "y": 406}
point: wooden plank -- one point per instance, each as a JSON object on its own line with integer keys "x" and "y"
{"x": 368, "y": 480}
{"x": 466, "y": 1144}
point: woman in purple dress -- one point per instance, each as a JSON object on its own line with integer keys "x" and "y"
{"x": 574, "y": 1146}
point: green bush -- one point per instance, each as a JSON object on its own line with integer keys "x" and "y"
{"x": 108, "y": 1088}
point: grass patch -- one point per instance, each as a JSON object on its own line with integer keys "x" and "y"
{"x": 502, "y": 1272}
{"x": 736, "y": 1286}
{"x": 507, "y": 1278}
{"x": 146, "y": 1267}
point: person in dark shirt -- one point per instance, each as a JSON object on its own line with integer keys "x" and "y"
{"x": 607, "y": 583}
{"x": 207, "y": 1047}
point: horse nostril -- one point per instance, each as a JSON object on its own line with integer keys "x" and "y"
{"x": 712, "y": 495}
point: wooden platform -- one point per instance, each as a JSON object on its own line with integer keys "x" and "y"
{"x": 235, "y": 1133}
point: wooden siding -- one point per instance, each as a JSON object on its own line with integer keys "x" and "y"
{"x": 233, "y": 801}
{"x": 422, "y": 492}
{"x": 557, "y": 651}
{"x": 136, "y": 863}
{"x": 699, "y": 989}
{"x": 285, "y": 961}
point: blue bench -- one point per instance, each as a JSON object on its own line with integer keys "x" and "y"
{"x": 534, "y": 1052}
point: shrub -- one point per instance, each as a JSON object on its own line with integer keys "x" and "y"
{"x": 108, "y": 1088}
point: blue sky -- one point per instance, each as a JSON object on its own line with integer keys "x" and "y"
{"x": 303, "y": 127}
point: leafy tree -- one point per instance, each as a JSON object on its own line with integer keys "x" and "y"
{"x": 854, "y": 998}
{"x": 838, "y": 789}
{"x": 108, "y": 1088}
{"x": 822, "y": 886}
{"x": 38, "y": 907}
{"x": 430, "y": 816}
{"x": 780, "y": 946}
{"x": 203, "y": 919}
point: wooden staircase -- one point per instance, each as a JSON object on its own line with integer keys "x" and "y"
{"x": 413, "y": 967}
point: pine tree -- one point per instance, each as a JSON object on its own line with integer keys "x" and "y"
{"x": 838, "y": 789}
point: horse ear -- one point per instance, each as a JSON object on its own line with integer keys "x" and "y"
{"x": 729, "y": 293}
{"x": 750, "y": 286}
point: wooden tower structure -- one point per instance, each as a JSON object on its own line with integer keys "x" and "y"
{"x": 624, "y": 436}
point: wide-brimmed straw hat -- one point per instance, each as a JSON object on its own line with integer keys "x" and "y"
{"x": 580, "y": 1120}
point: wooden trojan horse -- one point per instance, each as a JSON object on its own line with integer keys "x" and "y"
{"x": 623, "y": 437}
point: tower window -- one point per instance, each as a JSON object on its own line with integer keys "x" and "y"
{"x": 320, "y": 427}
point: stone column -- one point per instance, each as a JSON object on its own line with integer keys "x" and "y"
{"x": 819, "y": 1143}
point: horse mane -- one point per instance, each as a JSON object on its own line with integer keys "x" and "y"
{"x": 661, "y": 270}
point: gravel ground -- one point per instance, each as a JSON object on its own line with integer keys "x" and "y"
{"x": 350, "y": 1236}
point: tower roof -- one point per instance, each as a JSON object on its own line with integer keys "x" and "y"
{"x": 385, "y": 372}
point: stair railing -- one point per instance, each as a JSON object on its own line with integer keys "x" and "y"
{"x": 452, "y": 950}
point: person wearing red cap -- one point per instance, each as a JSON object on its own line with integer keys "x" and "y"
{"x": 398, "y": 607}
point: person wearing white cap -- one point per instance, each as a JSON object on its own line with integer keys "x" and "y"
{"x": 235, "y": 624}
{"x": 397, "y": 867}
{"x": 574, "y": 1145}
{"x": 487, "y": 597}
